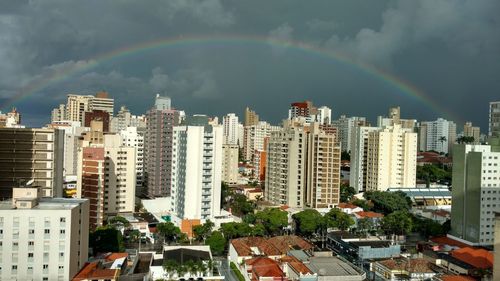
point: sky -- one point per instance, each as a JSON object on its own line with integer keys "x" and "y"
{"x": 449, "y": 51}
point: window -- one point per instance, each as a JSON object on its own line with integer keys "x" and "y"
{"x": 31, "y": 231}
{"x": 30, "y": 255}
{"x": 45, "y": 266}
{"x": 62, "y": 219}
{"x": 47, "y": 231}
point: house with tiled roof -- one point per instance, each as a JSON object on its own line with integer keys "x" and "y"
{"x": 349, "y": 208}
{"x": 479, "y": 258}
{"x": 404, "y": 269}
{"x": 263, "y": 268}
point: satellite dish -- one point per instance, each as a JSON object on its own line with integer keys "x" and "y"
{"x": 30, "y": 182}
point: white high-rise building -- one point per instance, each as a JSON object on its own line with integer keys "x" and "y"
{"x": 437, "y": 135}
{"x": 196, "y": 169}
{"x": 254, "y": 138}
{"x": 345, "y": 129}
{"x": 124, "y": 119}
{"x": 103, "y": 102}
{"x": 42, "y": 238}
{"x": 241, "y": 135}
{"x": 59, "y": 113}
{"x": 359, "y": 148}
{"x": 72, "y": 133}
{"x": 391, "y": 158}
{"x": 134, "y": 137}
{"x": 230, "y": 125}
{"x": 324, "y": 115}
{"x": 230, "y": 163}
{"x": 76, "y": 107}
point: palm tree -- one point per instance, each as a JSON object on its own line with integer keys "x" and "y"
{"x": 202, "y": 268}
{"x": 170, "y": 266}
{"x": 442, "y": 139}
{"x": 191, "y": 267}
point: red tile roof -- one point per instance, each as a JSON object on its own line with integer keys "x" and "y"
{"x": 264, "y": 267}
{"x": 442, "y": 213}
{"x": 444, "y": 240}
{"x": 115, "y": 256}
{"x": 347, "y": 206}
{"x": 479, "y": 258}
{"x": 369, "y": 214}
{"x": 91, "y": 271}
{"x": 289, "y": 242}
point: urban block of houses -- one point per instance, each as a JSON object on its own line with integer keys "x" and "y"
{"x": 404, "y": 269}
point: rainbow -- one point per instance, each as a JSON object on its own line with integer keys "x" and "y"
{"x": 58, "y": 76}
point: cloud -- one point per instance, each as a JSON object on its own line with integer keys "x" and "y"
{"x": 282, "y": 33}
{"x": 317, "y": 25}
{"x": 466, "y": 26}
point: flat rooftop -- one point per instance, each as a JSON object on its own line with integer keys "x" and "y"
{"x": 47, "y": 204}
{"x": 331, "y": 266}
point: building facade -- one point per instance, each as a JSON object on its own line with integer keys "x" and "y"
{"x": 437, "y": 135}
{"x": 31, "y": 154}
{"x": 230, "y": 125}
{"x": 391, "y": 158}
{"x": 345, "y": 128}
{"x": 476, "y": 191}
{"x": 42, "y": 238}
{"x": 494, "y": 119}
{"x": 359, "y": 157}
{"x": 472, "y": 131}
{"x": 196, "y": 169}
{"x": 161, "y": 120}
{"x": 230, "y": 163}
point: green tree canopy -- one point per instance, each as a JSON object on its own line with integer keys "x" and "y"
{"x": 240, "y": 205}
{"x": 106, "y": 239}
{"x": 387, "y": 202}
{"x": 346, "y": 193}
{"x": 119, "y": 221}
{"x": 273, "y": 219}
{"x": 308, "y": 222}
{"x": 337, "y": 219}
{"x": 217, "y": 243}
{"x": 168, "y": 231}
{"x": 399, "y": 222}
{"x": 201, "y": 232}
{"x": 427, "y": 227}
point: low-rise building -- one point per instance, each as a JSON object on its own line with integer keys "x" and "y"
{"x": 404, "y": 269}
{"x": 360, "y": 250}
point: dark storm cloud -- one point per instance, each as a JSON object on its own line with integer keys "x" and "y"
{"x": 448, "y": 49}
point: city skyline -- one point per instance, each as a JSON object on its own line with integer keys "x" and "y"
{"x": 218, "y": 59}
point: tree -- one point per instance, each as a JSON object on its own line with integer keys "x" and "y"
{"x": 337, "y": 219}
{"x": 170, "y": 266}
{"x": 273, "y": 219}
{"x": 201, "y": 232}
{"x": 427, "y": 227}
{"x": 119, "y": 222}
{"x": 346, "y": 193}
{"x": 233, "y": 230}
{"x": 365, "y": 225}
{"x": 345, "y": 156}
{"x": 442, "y": 139}
{"x": 225, "y": 192}
{"x": 362, "y": 203}
{"x": 465, "y": 140}
{"x": 308, "y": 222}
{"x": 217, "y": 243}
{"x": 387, "y": 202}
{"x": 106, "y": 239}
{"x": 168, "y": 231}
{"x": 240, "y": 205}
{"x": 399, "y": 222}
{"x": 258, "y": 230}
{"x": 249, "y": 218}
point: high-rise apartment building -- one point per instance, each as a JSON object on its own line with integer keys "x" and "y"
{"x": 134, "y": 137}
{"x": 230, "y": 125}
{"x": 31, "y": 154}
{"x": 102, "y": 102}
{"x": 124, "y": 119}
{"x": 254, "y": 138}
{"x": 391, "y": 158}
{"x": 161, "y": 120}
{"x": 303, "y": 166}
{"x": 324, "y": 115}
{"x": 196, "y": 169}
{"x": 97, "y": 115}
{"x": 230, "y": 163}
{"x": 394, "y": 117}
{"x": 494, "y": 119}
{"x": 472, "y": 131}
{"x": 58, "y": 114}
{"x": 251, "y": 118}
{"x": 106, "y": 175}
{"x": 437, "y": 135}
{"x": 345, "y": 128}
{"x": 359, "y": 157}
{"x": 72, "y": 133}
{"x": 476, "y": 191}
{"x": 42, "y": 238}
{"x": 76, "y": 107}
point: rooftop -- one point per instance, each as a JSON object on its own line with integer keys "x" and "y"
{"x": 479, "y": 258}
{"x": 330, "y": 266}
{"x": 444, "y": 240}
{"x": 456, "y": 278}
{"x": 369, "y": 214}
{"x": 47, "y": 204}
{"x": 410, "y": 265}
{"x": 264, "y": 267}
{"x": 274, "y": 246}
{"x": 423, "y": 192}
{"x": 347, "y": 206}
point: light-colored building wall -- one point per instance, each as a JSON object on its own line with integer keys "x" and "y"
{"x": 345, "y": 130}
{"x": 197, "y": 169}
{"x": 254, "y": 138}
{"x": 472, "y": 131}
{"x": 47, "y": 241}
{"x": 391, "y": 158}
{"x": 476, "y": 191}
{"x": 359, "y": 149}
{"x": 230, "y": 163}
{"x": 230, "y": 128}
{"x": 134, "y": 137}
{"x": 76, "y": 107}
{"x": 437, "y": 135}
{"x": 494, "y": 119}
